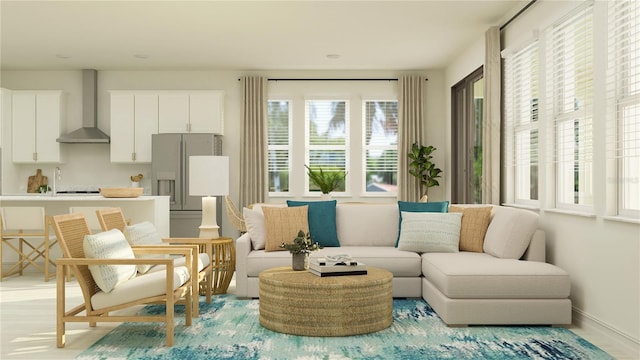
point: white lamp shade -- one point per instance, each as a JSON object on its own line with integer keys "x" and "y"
{"x": 208, "y": 175}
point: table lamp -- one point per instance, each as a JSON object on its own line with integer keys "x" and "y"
{"x": 209, "y": 177}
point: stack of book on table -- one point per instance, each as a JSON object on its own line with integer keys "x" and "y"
{"x": 337, "y": 265}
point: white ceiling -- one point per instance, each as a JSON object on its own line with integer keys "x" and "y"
{"x": 242, "y": 35}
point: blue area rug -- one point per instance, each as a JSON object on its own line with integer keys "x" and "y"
{"x": 229, "y": 328}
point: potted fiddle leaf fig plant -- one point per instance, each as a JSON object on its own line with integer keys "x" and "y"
{"x": 300, "y": 249}
{"x": 423, "y": 169}
{"x": 326, "y": 180}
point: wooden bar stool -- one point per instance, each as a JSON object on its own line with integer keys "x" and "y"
{"x": 25, "y": 230}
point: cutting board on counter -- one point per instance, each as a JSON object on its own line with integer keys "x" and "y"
{"x": 35, "y": 181}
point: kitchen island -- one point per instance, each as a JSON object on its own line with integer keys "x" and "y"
{"x": 154, "y": 209}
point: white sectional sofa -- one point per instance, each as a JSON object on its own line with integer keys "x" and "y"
{"x": 508, "y": 283}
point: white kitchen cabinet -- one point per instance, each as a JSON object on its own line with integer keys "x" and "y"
{"x": 35, "y": 119}
{"x": 191, "y": 112}
{"x": 134, "y": 118}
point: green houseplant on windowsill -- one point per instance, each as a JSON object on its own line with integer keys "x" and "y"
{"x": 326, "y": 180}
{"x": 300, "y": 249}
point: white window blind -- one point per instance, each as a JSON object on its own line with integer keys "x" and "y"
{"x": 327, "y": 137}
{"x": 279, "y": 145}
{"x": 623, "y": 85}
{"x": 381, "y": 146}
{"x": 570, "y": 56}
{"x": 522, "y": 99}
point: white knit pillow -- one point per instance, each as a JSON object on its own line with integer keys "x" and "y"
{"x": 144, "y": 233}
{"x": 109, "y": 245}
{"x": 430, "y": 232}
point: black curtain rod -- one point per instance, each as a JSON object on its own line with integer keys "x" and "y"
{"x": 332, "y": 79}
{"x": 517, "y": 14}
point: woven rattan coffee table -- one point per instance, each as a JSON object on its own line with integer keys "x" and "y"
{"x": 300, "y": 303}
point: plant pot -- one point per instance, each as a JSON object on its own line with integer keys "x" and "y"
{"x": 325, "y": 196}
{"x": 300, "y": 261}
{"x": 424, "y": 198}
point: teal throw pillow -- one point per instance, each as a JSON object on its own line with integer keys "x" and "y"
{"x": 441, "y": 207}
{"x": 322, "y": 221}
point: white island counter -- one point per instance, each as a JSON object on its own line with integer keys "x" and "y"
{"x": 143, "y": 208}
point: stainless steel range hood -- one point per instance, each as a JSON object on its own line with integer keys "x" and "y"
{"x": 89, "y": 132}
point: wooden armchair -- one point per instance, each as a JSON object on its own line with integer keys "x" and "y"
{"x": 161, "y": 286}
{"x": 235, "y": 215}
{"x": 113, "y": 218}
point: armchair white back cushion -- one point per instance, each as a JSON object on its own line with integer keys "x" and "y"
{"x": 144, "y": 233}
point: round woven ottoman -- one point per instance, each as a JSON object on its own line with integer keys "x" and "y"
{"x": 300, "y": 303}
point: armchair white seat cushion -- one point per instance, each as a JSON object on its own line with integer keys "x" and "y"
{"x": 109, "y": 245}
{"x": 139, "y": 287}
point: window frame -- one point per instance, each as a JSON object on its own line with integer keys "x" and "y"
{"x": 623, "y": 92}
{"x": 308, "y": 148}
{"x": 288, "y": 147}
{"x": 515, "y": 69}
{"x": 366, "y": 148}
{"x": 559, "y": 116}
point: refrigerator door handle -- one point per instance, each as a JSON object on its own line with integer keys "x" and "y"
{"x": 183, "y": 172}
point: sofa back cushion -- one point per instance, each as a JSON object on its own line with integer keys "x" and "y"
{"x": 322, "y": 221}
{"x": 367, "y": 224}
{"x": 509, "y": 232}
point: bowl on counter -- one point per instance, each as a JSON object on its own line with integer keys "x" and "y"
{"x": 121, "y": 192}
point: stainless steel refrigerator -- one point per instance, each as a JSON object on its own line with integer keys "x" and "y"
{"x": 170, "y": 177}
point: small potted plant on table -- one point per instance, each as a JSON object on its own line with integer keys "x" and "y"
{"x": 300, "y": 249}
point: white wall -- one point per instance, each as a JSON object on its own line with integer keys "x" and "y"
{"x": 601, "y": 255}
{"x": 89, "y": 164}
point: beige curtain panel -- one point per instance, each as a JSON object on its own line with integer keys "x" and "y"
{"x": 411, "y": 117}
{"x": 253, "y": 143}
{"x": 492, "y": 119}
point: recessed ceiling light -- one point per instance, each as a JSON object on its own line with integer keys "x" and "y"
{"x": 333, "y": 56}
{"x": 141, "y": 56}
{"x": 63, "y": 56}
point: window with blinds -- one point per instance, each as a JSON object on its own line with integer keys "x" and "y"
{"x": 327, "y": 138}
{"x": 570, "y": 57}
{"x": 278, "y": 145}
{"x": 623, "y": 85}
{"x": 380, "y": 155}
{"x": 521, "y": 110}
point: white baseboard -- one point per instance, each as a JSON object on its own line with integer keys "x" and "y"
{"x": 616, "y": 337}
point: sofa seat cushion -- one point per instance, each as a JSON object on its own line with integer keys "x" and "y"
{"x": 399, "y": 263}
{"x": 470, "y": 275}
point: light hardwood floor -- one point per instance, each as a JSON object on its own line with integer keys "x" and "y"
{"x": 27, "y": 319}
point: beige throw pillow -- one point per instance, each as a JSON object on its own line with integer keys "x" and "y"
{"x": 475, "y": 221}
{"x": 283, "y": 224}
